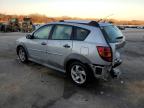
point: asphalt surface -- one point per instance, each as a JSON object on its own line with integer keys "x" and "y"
{"x": 34, "y": 86}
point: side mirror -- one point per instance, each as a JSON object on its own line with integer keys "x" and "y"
{"x": 29, "y": 36}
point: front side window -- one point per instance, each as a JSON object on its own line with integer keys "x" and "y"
{"x": 62, "y": 32}
{"x": 43, "y": 32}
{"x": 81, "y": 34}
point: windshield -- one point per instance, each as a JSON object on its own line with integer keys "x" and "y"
{"x": 26, "y": 19}
{"x": 13, "y": 20}
{"x": 112, "y": 33}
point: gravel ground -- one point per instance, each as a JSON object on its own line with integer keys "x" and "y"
{"x": 35, "y": 86}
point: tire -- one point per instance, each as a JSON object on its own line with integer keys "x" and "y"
{"x": 79, "y": 73}
{"x": 22, "y": 55}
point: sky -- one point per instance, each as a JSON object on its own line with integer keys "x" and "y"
{"x": 117, "y": 9}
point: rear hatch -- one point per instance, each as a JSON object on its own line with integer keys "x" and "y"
{"x": 115, "y": 39}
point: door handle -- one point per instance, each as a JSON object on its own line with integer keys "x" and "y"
{"x": 66, "y": 46}
{"x": 43, "y": 43}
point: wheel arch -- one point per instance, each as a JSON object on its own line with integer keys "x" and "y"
{"x": 20, "y": 45}
{"x": 75, "y": 57}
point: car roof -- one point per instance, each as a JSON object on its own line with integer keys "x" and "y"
{"x": 84, "y": 22}
{"x": 77, "y": 21}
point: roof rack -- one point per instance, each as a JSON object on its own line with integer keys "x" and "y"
{"x": 91, "y": 23}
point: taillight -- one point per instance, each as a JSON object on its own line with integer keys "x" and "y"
{"x": 105, "y": 53}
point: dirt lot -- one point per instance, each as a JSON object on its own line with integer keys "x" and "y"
{"x": 35, "y": 86}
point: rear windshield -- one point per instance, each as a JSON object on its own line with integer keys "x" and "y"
{"x": 112, "y": 33}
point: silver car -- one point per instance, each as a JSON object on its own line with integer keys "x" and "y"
{"x": 82, "y": 49}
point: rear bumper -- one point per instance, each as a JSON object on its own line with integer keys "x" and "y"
{"x": 106, "y": 72}
{"x": 117, "y": 62}
{"x": 101, "y": 72}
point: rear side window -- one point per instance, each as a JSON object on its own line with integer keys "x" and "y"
{"x": 80, "y": 34}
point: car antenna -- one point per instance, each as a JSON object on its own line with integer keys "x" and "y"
{"x": 104, "y": 19}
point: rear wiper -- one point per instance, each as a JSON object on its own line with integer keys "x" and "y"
{"x": 119, "y": 37}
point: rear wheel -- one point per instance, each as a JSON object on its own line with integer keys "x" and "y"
{"x": 22, "y": 55}
{"x": 79, "y": 73}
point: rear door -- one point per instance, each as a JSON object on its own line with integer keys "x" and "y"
{"x": 59, "y": 45}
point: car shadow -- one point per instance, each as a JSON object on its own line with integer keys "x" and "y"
{"x": 96, "y": 87}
